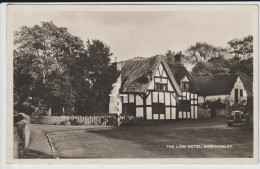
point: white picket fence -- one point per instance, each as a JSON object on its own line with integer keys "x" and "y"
{"x": 95, "y": 119}
{"x": 99, "y": 119}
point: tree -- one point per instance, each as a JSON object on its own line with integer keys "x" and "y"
{"x": 242, "y": 48}
{"x": 202, "y": 52}
{"x": 44, "y": 56}
{"x": 211, "y": 60}
{"x": 99, "y": 75}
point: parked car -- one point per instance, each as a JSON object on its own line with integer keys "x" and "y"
{"x": 237, "y": 117}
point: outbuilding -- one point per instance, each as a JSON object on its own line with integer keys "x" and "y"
{"x": 232, "y": 89}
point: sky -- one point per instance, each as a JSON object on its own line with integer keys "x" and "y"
{"x": 146, "y": 33}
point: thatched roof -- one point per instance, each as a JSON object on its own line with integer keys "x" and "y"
{"x": 220, "y": 84}
{"x": 248, "y": 83}
{"x": 137, "y": 73}
{"x": 179, "y": 71}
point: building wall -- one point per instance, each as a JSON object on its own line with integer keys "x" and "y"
{"x": 201, "y": 99}
{"x": 193, "y": 101}
{"x": 227, "y": 97}
{"x": 192, "y": 98}
{"x": 238, "y": 85}
{"x": 144, "y": 103}
{"x": 115, "y": 102}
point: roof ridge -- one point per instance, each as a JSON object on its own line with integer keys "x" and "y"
{"x": 241, "y": 73}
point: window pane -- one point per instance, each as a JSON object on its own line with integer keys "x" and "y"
{"x": 158, "y": 108}
{"x": 130, "y": 108}
{"x": 185, "y": 105}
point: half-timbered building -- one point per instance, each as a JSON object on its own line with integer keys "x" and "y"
{"x": 153, "y": 88}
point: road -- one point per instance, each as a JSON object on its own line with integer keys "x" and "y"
{"x": 181, "y": 139}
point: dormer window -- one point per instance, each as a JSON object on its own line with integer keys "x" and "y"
{"x": 185, "y": 86}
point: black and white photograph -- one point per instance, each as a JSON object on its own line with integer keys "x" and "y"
{"x": 167, "y": 83}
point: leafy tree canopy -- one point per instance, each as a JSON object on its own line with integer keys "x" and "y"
{"x": 242, "y": 48}
{"x": 99, "y": 74}
{"x": 202, "y": 52}
{"x": 53, "y": 68}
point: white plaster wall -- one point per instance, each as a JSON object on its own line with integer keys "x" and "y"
{"x": 115, "y": 104}
{"x": 139, "y": 112}
{"x": 149, "y": 113}
{"x": 139, "y": 100}
{"x": 238, "y": 85}
{"x": 201, "y": 99}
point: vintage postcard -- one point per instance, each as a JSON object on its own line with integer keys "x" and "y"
{"x": 132, "y": 84}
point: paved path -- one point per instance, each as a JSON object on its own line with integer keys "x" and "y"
{"x": 141, "y": 142}
{"x": 38, "y": 147}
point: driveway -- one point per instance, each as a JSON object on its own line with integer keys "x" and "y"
{"x": 180, "y": 139}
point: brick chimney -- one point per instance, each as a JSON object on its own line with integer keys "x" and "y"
{"x": 177, "y": 57}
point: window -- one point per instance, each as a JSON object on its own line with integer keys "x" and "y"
{"x": 236, "y": 96}
{"x": 241, "y": 92}
{"x": 185, "y": 105}
{"x": 160, "y": 86}
{"x": 185, "y": 86}
{"x": 158, "y": 108}
{"x": 129, "y": 108}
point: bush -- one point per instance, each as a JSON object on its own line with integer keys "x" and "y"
{"x": 216, "y": 104}
{"x": 66, "y": 123}
{"x": 240, "y": 107}
{"x": 74, "y": 122}
{"x": 136, "y": 121}
{"x": 112, "y": 121}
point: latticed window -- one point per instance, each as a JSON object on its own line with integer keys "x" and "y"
{"x": 160, "y": 86}
{"x": 185, "y": 86}
{"x": 129, "y": 108}
{"x": 185, "y": 105}
{"x": 158, "y": 108}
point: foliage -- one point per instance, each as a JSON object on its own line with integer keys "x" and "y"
{"x": 220, "y": 61}
{"x": 135, "y": 121}
{"x": 99, "y": 74}
{"x": 216, "y": 104}
{"x": 43, "y": 57}
{"x": 55, "y": 69}
{"x": 112, "y": 121}
{"x": 202, "y": 52}
{"x": 74, "y": 122}
{"x": 242, "y": 47}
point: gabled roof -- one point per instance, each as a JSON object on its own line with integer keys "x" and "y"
{"x": 179, "y": 71}
{"x": 137, "y": 73}
{"x": 248, "y": 83}
{"x": 220, "y": 84}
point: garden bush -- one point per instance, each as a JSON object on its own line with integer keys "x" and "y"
{"x": 136, "y": 121}
{"x": 74, "y": 122}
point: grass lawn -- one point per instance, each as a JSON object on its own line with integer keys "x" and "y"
{"x": 150, "y": 141}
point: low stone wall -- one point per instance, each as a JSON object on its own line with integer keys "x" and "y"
{"x": 49, "y": 119}
{"x": 21, "y": 133}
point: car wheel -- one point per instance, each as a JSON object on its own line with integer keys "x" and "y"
{"x": 229, "y": 124}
